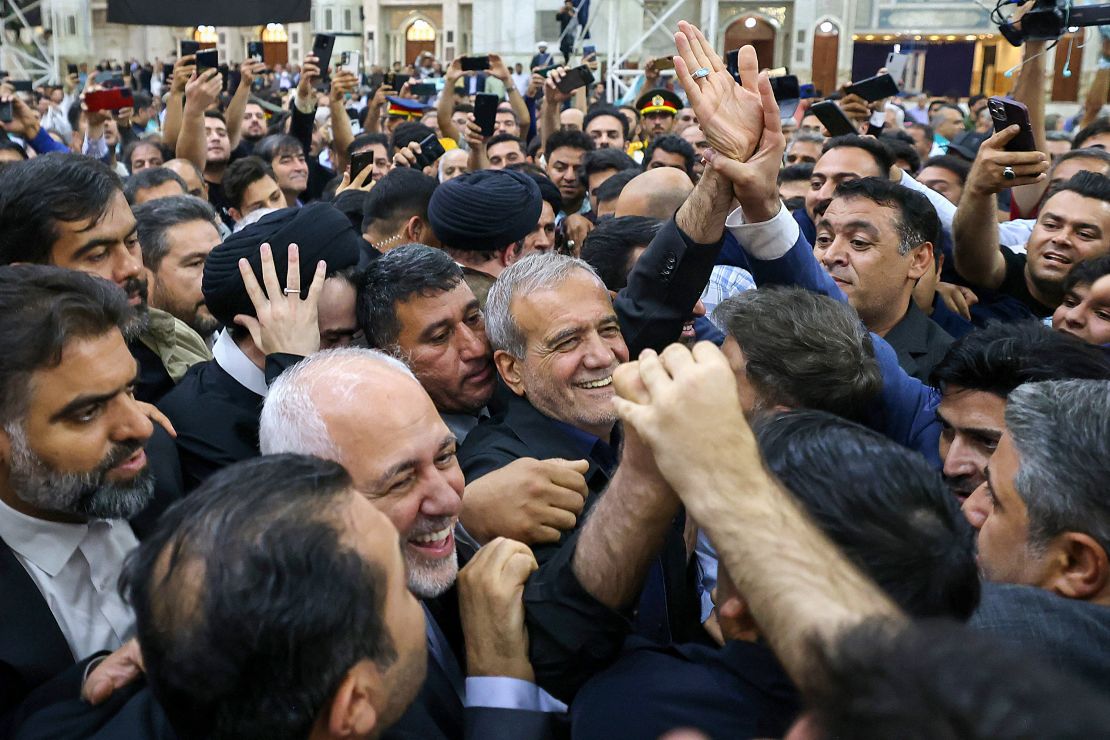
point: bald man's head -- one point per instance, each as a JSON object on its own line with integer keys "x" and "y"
{"x": 656, "y": 193}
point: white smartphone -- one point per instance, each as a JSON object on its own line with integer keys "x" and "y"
{"x": 351, "y": 61}
{"x": 896, "y": 67}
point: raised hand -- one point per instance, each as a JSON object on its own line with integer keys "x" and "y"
{"x": 203, "y": 90}
{"x": 183, "y": 70}
{"x": 987, "y": 174}
{"x": 499, "y": 69}
{"x": 551, "y": 90}
{"x": 730, "y": 114}
{"x": 283, "y": 321}
{"x": 491, "y": 608}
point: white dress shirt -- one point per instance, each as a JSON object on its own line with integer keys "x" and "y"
{"x": 76, "y": 568}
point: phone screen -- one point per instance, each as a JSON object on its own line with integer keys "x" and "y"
{"x": 207, "y": 59}
{"x": 575, "y": 78}
{"x": 475, "y": 64}
{"x": 361, "y": 161}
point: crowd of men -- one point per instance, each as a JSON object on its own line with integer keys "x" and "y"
{"x": 667, "y": 419}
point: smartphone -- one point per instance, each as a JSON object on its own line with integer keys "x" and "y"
{"x": 896, "y": 66}
{"x": 874, "y": 88}
{"x": 430, "y": 151}
{"x": 72, "y": 69}
{"x": 254, "y": 50}
{"x": 588, "y": 49}
{"x": 207, "y": 59}
{"x": 1006, "y": 112}
{"x": 787, "y": 93}
{"x": 732, "y": 63}
{"x": 832, "y": 118}
{"x": 361, "y": 161}
{"x": 807, "y": 90}
{"x": 545, "y": 71}
{"x": 351, "y": 61}
{"x": 6, "y": 111}
{"x": 322, "y": 46}
{"x": 475, "y": 64}
{"x": 423, "y": 89}
{"x": 112, "y": 99}
{"x": 189, "y": 47}
{"x": 22, "y": 86}
{"x": 485, "y": 111}
{"x": 575, "y": 78}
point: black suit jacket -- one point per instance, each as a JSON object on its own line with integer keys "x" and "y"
{"x": 216, "y": 417}
{"x": 919, "y": 342}
{"x": 32, "y": 647}
{"x": 738, "y": 691}
{"x": 56, "y": 712}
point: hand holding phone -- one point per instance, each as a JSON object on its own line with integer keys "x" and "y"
{"x": 1008, "y": 112}
{"x": 832, "y": 118}
{"x": 874, "y": 88}
{"x": 485, "y": 112}
{"x": 574, "y": 79}
{"x": 112, "y": 99}
{"x": 430, "y": 151}
{"x": 322, "y": 47}
{"x": 207, "y": 59}
{"x": 474, "y": 64}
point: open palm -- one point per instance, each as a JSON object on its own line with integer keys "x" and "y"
{"x": 730, "y": 114}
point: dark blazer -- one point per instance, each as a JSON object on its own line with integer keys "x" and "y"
{"x": 919, "y": 342}
{"x": 32, "y": 647}
{"x": 216, "y": 418}
{"x": 1069, "y": 634}
{"x": 737, "y": 691}
{"x": 437, "y": 712}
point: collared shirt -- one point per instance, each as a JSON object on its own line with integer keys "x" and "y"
{"x": 462, "y": 424}
{"x": 235, "y": 363}
{"x": 725, "y": 281}
{"x": 76, "y": 568}
{"x": 178, "y": 346}
{"x": 603, "y": 452}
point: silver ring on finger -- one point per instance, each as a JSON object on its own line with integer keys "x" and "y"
{"x": 291, "y": 291}
{"x": 1008, "y": 172}
{"x": 701, "y": 73}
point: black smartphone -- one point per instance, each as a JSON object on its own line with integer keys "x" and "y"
{"x": 1006, "y": 112}
{"x": 732, "y": 63}
{"x": 322, "y": 46}
{"x": 786, "y": 88}
{"x": 575, "y": 78}
{"x": 167, "y": 72}
{"x": 22, "y": 85}
{"x": 832, "y": 118}
{"x": 189, "y": 47}
{"x": 361, "y": 161}
{"x": 485, "y": 111}
{"x": 430, "y": 151}
{"x": 423, "y": 89}
{"x": 475, "y": 64}
{"x": 207, "y": 59}
{"x": 72, "y": 69}
{"x": 874, "y": 88}
{"x": 6, "y": 111}
{"x": 255, "y": 50}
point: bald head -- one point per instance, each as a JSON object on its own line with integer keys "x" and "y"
{"x": 193, "y": 177}
{"x": 656, "y": 193}
{"x": 571, "y": 118}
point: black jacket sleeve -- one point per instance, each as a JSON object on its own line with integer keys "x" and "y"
{"x": 663, "y": 288}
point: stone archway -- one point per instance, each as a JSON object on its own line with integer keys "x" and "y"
{"x": 420, "y": 36}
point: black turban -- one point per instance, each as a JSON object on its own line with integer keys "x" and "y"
{"x": 319, "y": 230}
{"x": 485, "y": 210}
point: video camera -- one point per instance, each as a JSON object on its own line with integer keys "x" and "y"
{"x": 1050, "y": 19}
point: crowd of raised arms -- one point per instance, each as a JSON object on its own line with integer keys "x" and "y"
{"x": 429, "y": 403}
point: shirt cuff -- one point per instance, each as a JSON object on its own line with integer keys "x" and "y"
{"x": 503, "y": 692}
{"x": 767, "y": 240}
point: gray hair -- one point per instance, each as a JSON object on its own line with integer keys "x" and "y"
{"x": 156, "y": 217}
{"x": 534, "y": 272}
{"x": 806, "y": 135}
{"x": 291, "y": 421}
{"x": 1061, "y": 431}
{"x": 803, "y": 350}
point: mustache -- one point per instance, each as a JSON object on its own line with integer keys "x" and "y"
{"x": 426, "y": 525}
{"x": 135, "y": 286}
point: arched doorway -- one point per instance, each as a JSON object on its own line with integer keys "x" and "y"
{"x": 419, "y": 38}
{"x": 275, "y": 44}
{"x": 206, "y": 36}
{"x": 754, "y": 31}
{"x": 826, "y": 50}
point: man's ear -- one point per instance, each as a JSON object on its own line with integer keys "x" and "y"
{"x": 353, "y": 712}
{"x": 921, "y": 259}
{"x": 1079, "y": 567}
{"x": 414, "y": 230}
{"x": 509, "y": 369}
{"x": 236, "y": 214}
{"x": 511, "y": 253}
